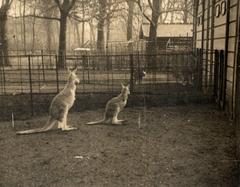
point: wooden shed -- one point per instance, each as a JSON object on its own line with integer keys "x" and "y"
{"x": 216, "y": 38}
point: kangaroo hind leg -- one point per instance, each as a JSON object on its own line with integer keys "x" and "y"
{"x": 115, "y": 121}
{"x": 64, "y": 125}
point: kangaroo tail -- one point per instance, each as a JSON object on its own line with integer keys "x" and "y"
{"x": 96, "y": 122}
{"x": 50, "y": 123}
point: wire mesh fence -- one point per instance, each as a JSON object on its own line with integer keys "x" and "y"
{"x": 169, "y": 74}
{"x": 157, "y": 73}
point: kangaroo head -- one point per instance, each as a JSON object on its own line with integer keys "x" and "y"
{"x": 125, "y": 89}
{"x": 72, "y": 77}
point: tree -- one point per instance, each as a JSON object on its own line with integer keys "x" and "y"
{"x": 187, "y": 9}
{"x": 64, "y": 7}
{"x": 100, "y": 26}
{"x": 152, "y": 38}
{"x": 4, "y": 7}
{"x": 130, "y": 19}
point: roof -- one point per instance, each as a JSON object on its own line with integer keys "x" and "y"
{"x": 82, "y": 49}
{"x": 170, "y": 30}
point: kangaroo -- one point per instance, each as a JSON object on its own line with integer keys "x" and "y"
{"x": 113, "y": 107}
{"x": 59, "y": 107}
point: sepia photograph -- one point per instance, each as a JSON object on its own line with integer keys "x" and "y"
{"x": 117, "y": 93}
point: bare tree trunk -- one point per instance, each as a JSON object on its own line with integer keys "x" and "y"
{"x": 24, "y": 26}
{"x": 83, "y": 24}
{"x": 108, "y": 31}
{"x": 62, "y": 41}
{"x": 130, "y": 19}
{"x": 185, "y": 12}
{"x": 33, "y": 28}
{"x": 172, "y": 17}
{"x": 49, "y": 36}
{"x": 152, "y": 39}
{"x": 83, "y": 32}
{"x": 100, "y": 26}
{"x": 100, "y": 35}
{"x": 3, "y": 40}
{"x": 78, "y": 35}
{"x": 64, "y": 8}
{"x": 92, "y": 35}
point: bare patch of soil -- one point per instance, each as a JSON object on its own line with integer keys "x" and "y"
{"x": 175, "y": 146}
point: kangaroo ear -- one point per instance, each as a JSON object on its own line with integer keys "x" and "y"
{"x": 122, "y": 85}
{"x": 75, "y": 70}
{"x": 128, "y": 85}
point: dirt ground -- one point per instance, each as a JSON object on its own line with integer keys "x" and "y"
{"x": 175, "y": 146}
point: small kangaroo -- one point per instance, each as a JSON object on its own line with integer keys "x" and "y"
{"x": 59, "y": 107}
{"x": 113, "y": 107}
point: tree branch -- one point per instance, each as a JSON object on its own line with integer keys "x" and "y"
{"x": 143, "y": 13}
{"x": 37, "y": 16}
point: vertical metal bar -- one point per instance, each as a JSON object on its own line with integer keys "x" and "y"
{"x": 235, "y": 76}
{"x": 178, "y": 73}
{"x": 94, "y": 72}
{"x": 207, "y": 49}
{"x": 200, "y": 68}
{"x": 1, "y": 78}
{"x": 3, "y": 70}
{"x": 43, "y": 69}
{"x": 224, "y": 90}
{"x": 212, "y": 45}
{"x": 87, "y": 61}
{"x": 83, "y": 65}
{"x": 138, "y": 70}
{"x": 131, "y": 73}
{"x": 21, "y": 75}
{"x": 39, "y": 77}
{"x": 57, "y": 76}
{"x": 216, "y": 68}
{"x": 108, "y": 69}
{"x": 203, "y": 39}
{"x": 30, "y": 83}
{"x": 112, "y": 69}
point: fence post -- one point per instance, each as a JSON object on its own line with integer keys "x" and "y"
{"x": 30, "y": 83}
{"x": 43, "y": 69}
{"x": 3, "y": 73}
{"x": 108, "y": 68}
{"x": 83, "y": 65}
{"x": 200, "y": 68}
{"x": 131, "y": 73}
{"x": 57, "y": 78}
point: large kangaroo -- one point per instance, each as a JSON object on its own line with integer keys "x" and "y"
{"x": 59, "y": 107}
{"x": 113, "y": 107}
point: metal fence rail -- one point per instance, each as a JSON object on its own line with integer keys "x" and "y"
{"x": 166, "y": 73}
{"x": 101, "y": 73}
{"x": 28, "y": 81}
